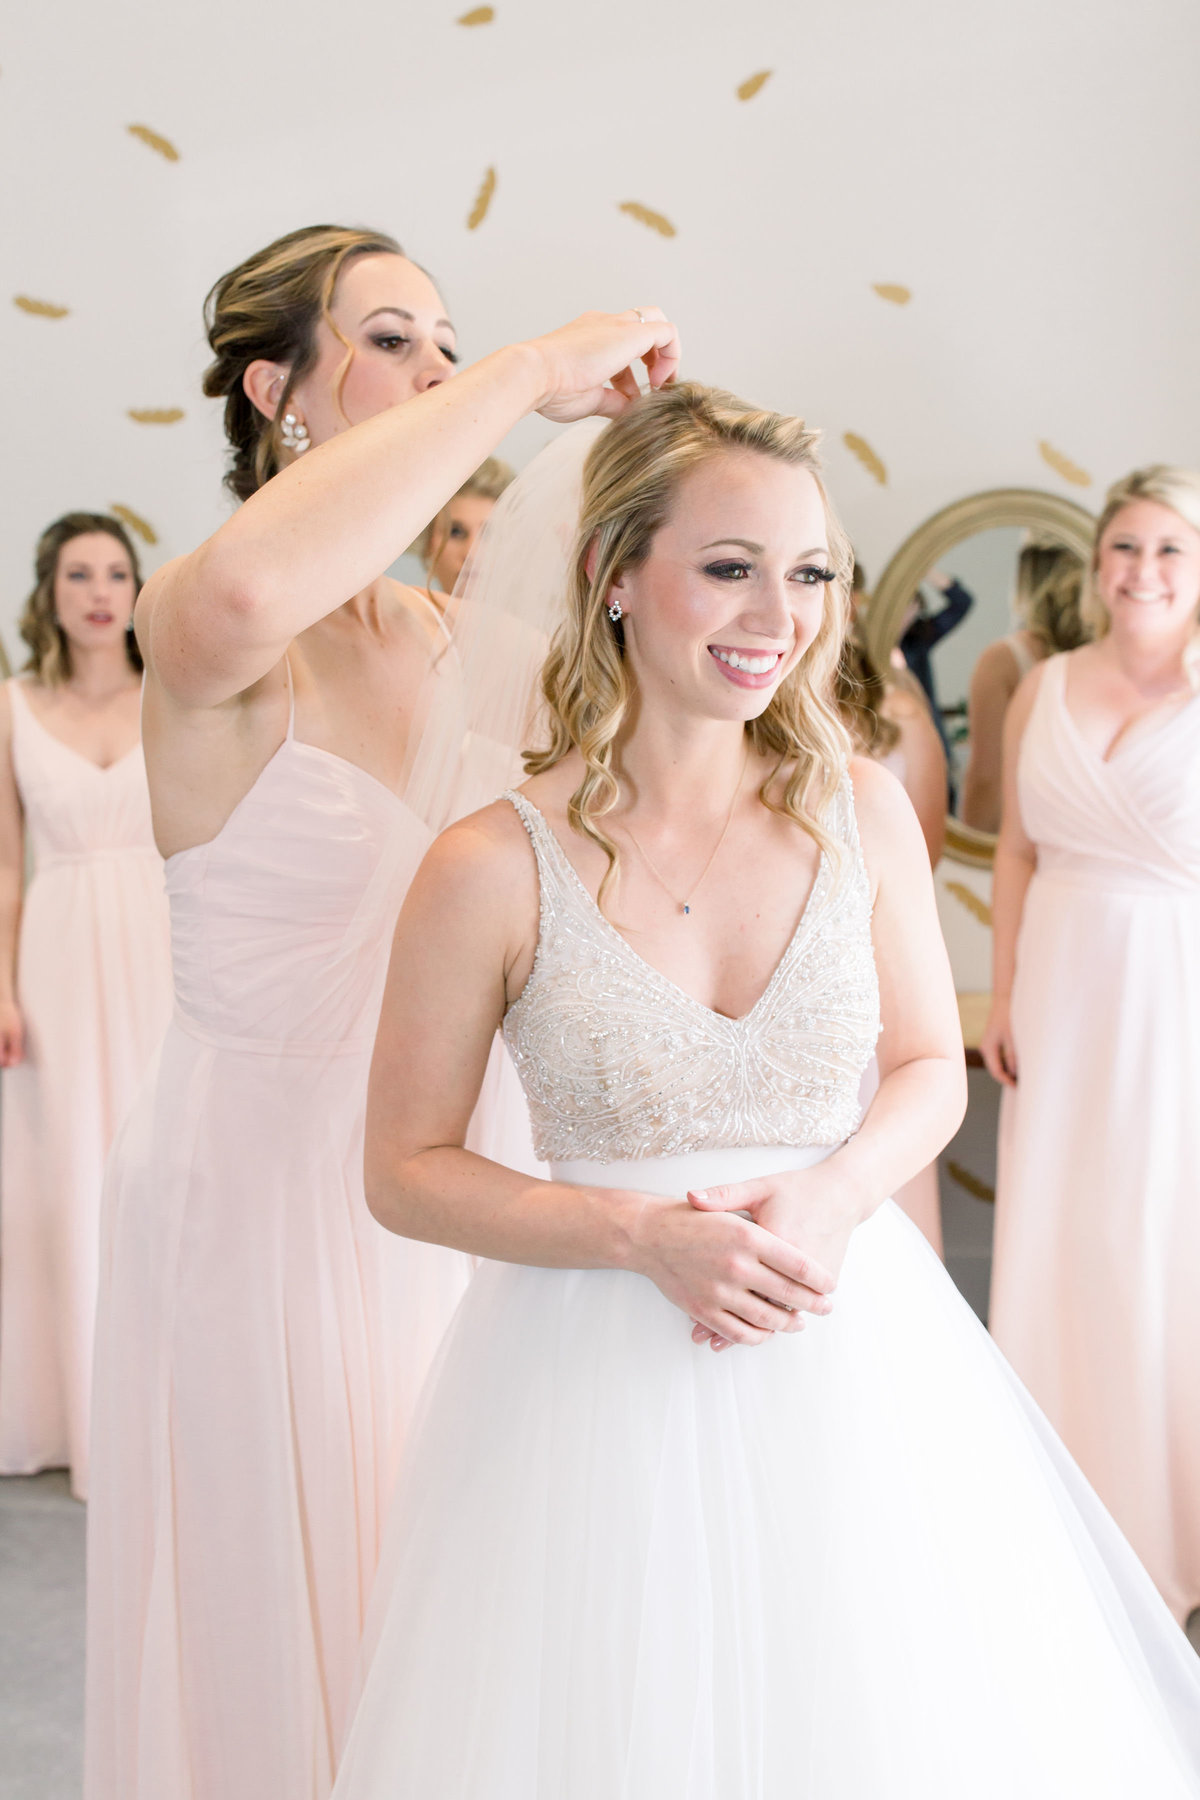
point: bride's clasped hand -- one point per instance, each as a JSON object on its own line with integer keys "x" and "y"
{"x": 812, "y": 1213}
{"x": 738, "y": 1279}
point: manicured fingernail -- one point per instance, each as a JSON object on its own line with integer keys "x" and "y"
{"x": 699, "y": 1193}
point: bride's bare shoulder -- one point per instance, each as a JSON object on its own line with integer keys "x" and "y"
{"x": 485, "y": 857}
{"x": 478, "y": 889}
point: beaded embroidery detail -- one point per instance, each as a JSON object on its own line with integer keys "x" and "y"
{"x": 617, "y": 1062}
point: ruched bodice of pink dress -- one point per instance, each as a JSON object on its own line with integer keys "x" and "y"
{"x": 262, "y": 1340}
{"x": 1097, "y": 1262}
{"x": 94, "y": 990}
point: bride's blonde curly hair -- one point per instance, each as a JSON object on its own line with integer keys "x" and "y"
{"x": 629, "y": 482}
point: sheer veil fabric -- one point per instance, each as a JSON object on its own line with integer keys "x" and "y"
{"x": 482, "y": 698}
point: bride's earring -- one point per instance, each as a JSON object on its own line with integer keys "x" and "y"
{"x": 615, "y": 612}
{"x": 294, "y": 434}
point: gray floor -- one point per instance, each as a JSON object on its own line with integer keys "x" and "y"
{"x": 42, "y": 1528}
{"x": 41, "y": 1639}
{"x": 967, "y": 1171}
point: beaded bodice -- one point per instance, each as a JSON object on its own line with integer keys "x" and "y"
{"x": 617, "y": 1062}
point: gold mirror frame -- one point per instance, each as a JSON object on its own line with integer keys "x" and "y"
{"x": 929, "y": 544}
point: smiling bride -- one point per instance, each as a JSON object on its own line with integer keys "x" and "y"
{"x": 720, "y": 1492}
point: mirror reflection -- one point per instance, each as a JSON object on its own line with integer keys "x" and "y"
{"x": 992, "y": 607}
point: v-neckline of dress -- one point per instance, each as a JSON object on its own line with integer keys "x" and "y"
{"x": 1121, "y": 744}
{"x": 79, "y": 755}
{"x": 815, "y": 893}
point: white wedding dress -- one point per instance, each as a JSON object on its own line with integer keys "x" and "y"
{"x": 852, "y": 1564}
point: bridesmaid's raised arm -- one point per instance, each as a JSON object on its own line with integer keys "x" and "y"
{"x": 213, "y": 623}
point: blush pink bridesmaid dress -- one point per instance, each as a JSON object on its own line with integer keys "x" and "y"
{"x": 94, "y": 989}
{"x": 262, "y": 1340}
{"x": 1096, "y": 1282}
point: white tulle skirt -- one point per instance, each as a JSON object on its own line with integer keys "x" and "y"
{"x": 852, "y": 1564}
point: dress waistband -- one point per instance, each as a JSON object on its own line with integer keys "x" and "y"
{"x": 66, "y": 859}
{"x": 313, "y": 1048}
{"x": 672, "y": 1176}
{"x": 1065, "y": 868}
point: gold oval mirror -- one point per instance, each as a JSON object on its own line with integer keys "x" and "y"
{"x": 965, "y": 601}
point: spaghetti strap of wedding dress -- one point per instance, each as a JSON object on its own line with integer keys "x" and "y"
{"x": 262, "y": 1340}
{"x": 852, "y": 1564}
{"x": 94, "y": 990}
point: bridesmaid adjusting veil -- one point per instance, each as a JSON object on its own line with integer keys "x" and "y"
{"x": 261, "y": 1341}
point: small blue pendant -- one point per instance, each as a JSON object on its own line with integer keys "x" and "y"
{"x": 687, "y": 909}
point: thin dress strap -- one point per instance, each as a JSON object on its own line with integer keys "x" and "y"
{"x": 291, "y": 688}
{"x": 438, "y": 618}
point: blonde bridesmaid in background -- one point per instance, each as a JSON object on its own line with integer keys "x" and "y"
{"x": 261, "y": 1341}
{"x": 85, "y": 972}
{"x": 447, "y": 541}
{"x": 1095, "y": 1031}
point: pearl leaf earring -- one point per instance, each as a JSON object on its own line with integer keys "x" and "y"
{"x": 615, "y": 612}
{"x": 294, "y": 433}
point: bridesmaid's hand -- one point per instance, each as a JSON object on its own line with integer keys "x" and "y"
{"x": 736, "y": 1280}
{"x": 810, "y": 1209}
{"x": 997, "y": 1046}
{"x": 12, "y": 1035}
{"x": 588, "y": 364}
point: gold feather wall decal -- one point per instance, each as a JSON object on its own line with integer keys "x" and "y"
{"x": 41, "y": 309}
{"x": 135, "y": 522}
{"x": 979, "y": 1189}
{"x": 156, "y": 415}
{"x": 970, "y": 899}
{"x": 478, "y": 15}
{"x": 655, "y": 220}
{"x": 893, "y": 291}
{"x": 858, "y": 446}
{"x": 154, "y": 140}
{"x": 1062, "y": 465}
{"x": 754, "y": 84}
{"x": 483, "y": 200}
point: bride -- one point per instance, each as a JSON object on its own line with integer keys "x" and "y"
{"x": 843, "y": 1558}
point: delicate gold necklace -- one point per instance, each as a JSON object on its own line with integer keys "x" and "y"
{"x": 685, "y": 904}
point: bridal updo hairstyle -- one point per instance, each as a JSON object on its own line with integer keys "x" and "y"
{"x": 50, "y": 653}
{"x": 629, "y": 481}
{"x": 268, "y": 309}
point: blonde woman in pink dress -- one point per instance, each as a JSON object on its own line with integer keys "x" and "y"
{"x": 85, "y": 972}
{"x": 1095, "y": 1031}
{"x": 261, "y": 1340}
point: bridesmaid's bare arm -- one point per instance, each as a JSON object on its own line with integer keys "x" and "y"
{"x": 993, "y": 683}
{"x": 463, "y": 949}
{"x": 1015, "y": 862}
{"x": 12, "y": 881}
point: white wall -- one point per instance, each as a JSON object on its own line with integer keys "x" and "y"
{"x": 1028, "y": 170}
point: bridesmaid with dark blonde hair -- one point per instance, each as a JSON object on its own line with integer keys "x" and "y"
{"x": 261, "y": 1341}
{"x": 85, "y": 971}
